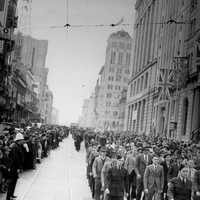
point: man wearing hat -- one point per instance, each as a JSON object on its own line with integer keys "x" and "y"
{"x": 96, "y": 170}
{"x": 105, "y": 169}
{"x": 130, "y": 167}
{"x": 15, "y": 165}
{"x": 142, "y": 161}
{"x": 153, "y": 179}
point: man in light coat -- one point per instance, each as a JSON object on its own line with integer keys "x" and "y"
{"x": 96, "y": 171}
{"x": 153, "y": 180}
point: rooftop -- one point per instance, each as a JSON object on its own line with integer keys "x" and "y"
{"x": 120, "y": 34}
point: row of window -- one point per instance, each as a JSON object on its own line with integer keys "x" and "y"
{"x": 118, "y": 78}
{"x": 140, "y": 84}
{"x": 111, "y": 87}
{"x": 113, "y": 124}
{"x": 120, "y": 58}
{"x": 119, "y": 70}
{"x": 115, "y": 113}
{"x": 109, "y": 95}
{"x": 121, "y": 45}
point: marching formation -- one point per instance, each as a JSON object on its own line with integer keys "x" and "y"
{"x": 140, "y": 167}
{"x": 20, "y": 150}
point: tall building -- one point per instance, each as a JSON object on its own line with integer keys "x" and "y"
{"x": 55, "y": 116}
{"x": 144, "y": 67}
{"x": 8, "y": 23}
{"x": 48, "y": 104}
{"x": 163, "y": 94}
{"x": 113, "y": 78}
{"x": 30, "y": 56}
{"x": 24, "y": 14}
{"x": 87, "y": 117}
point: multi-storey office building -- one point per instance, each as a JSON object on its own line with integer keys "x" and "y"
{"x": 163, "y": 95}
{"x": 114, "y": 77}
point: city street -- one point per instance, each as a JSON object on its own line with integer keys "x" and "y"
{"x": 61, "y": 176}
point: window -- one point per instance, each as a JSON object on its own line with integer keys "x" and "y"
{"x": 128, "y": 58}
{"x": 134, "y": 88}
{"x": 110, "y": 78}
{"x": 126, "y": 80}
{"x": 185, "y": 115}
{"x": 113, "y": 57}
{"x": 114, "y": 44}
{"x": 138, "y": 85}
{"x": 121, "y": 45}
{"x": 193, "y": 26}
{"x": 172, "y": 109}
{"x": 131, "y": 90}
{"x": 118, "y": 78}
{"x": 129, "y": 45}
{"x": 109, "y": 95}
{"x": 115, "y": 113}
{"x": 119, "y": 71}
{"x": 146, "y": 81}
{"x": 179, "y": 47}
{"x": 2, "y": 4}
{"x": 127, "y": 71}
{"x": 108, "y": 103}
{"x": 120, "y": 59}
{"x": 141, "y": 86}
{"x": 111, "y": 69}
{"x": 117, "y": 87}
{"x": 194, "y": 4}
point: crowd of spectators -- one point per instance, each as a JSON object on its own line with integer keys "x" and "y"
{"x": 124, "y": 166}
{"x": 21, "y": 148}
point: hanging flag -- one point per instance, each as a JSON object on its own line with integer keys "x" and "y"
{"x": 166, "y": 84}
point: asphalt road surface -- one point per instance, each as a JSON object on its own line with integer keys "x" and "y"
{"x": 61, "y": 176}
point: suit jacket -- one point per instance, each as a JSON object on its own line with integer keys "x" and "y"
{"x": 130, "y": 163}
{"x": 97, "y": 166}
{"x": 178, "y": 190}
{"x": 117, "y": 181}
{"x": 196, "y": 181}
{"x": 16, "y": 157}
{"x": 140, "y": 164}
{"x": 154, "y": 177}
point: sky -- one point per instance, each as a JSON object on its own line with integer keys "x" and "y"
{"x": 75, "y": 56}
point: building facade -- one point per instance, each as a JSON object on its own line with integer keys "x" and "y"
{"x": 55, "y": 116}
{"x": 144, "y": 67}
{"x": 87, "y": 117}
{"x": 8, "y": 23}
{"x": 113, "y": 78}
{"x": 48, "y": 106}
{"x": 163, "y": 94}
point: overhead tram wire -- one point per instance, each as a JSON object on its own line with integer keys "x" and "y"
{"x": 68, "y": 26}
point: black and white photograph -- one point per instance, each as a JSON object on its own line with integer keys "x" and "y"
{"x": 99, "y": 99}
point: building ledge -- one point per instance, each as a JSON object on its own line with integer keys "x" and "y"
{"x": 143, "y": 70}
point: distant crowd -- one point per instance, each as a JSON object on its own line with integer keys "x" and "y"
{"x": 140, "y": 167}
{"x": 21, "y": 148}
